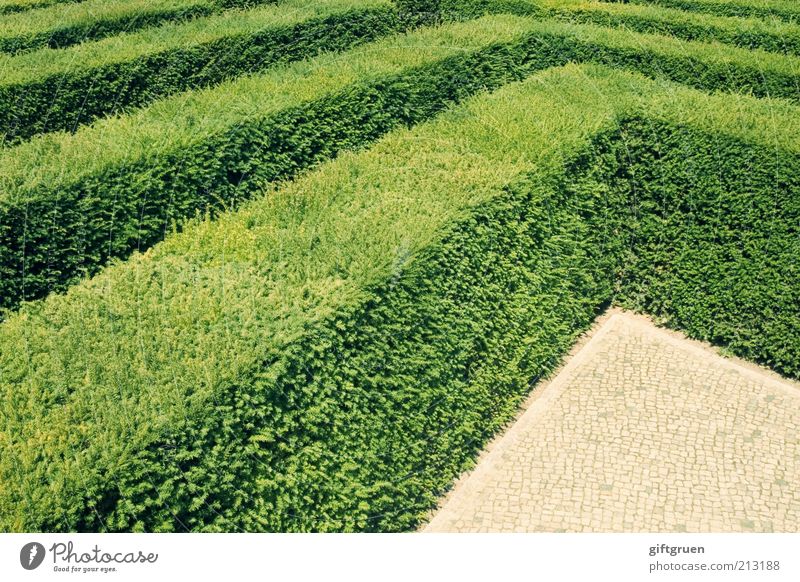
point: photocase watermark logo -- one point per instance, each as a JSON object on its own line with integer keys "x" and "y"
{"x": 31, "y": 555}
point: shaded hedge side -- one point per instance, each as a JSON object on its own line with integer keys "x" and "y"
{"x": 717, "y": 237}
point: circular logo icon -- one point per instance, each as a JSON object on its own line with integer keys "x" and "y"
{"x": 31, "y": 555}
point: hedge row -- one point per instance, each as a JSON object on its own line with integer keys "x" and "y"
{"x": 717, "y": 239}
{"x": 294, "y": 273}
{"x": 787, "y": 10}
{"x": 45, "y": 92}
{"x": 69, "y": 203}
{"x": 11, "y": 6}
{"x": 390, "y": 310}
{"x": 62, "y": 26}
{"x": 751, "y": 33}
{"x": 118, "y": 186}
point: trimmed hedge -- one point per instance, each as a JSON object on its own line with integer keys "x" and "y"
{"x": 389, "y": 311}
{"x": 717, "y": 238}
{"x": 62, "y": 26}
{"x": 51, "y": 91}
{"x": 119, "y": 186}
{"x": 786, "y": 10}
{"x": 750, "y": 33}
{"x": 70, "y": 203}
{"x": 12, "y": 6}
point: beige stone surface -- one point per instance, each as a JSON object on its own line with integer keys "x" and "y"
{"x": 642, "y": 430}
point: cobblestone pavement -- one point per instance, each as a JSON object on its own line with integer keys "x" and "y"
{"x": 642, "y": 430}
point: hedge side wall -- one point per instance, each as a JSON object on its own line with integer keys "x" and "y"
{"x": 134, "y": 204}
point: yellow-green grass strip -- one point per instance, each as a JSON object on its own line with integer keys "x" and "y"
{"x": 771, "y": 35}
{"x": 117, "y": 186}
{"x": 217, "y": 382}
{"x": 48, "y": 90}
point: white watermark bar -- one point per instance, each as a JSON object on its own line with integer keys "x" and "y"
{"x": 374, "y": 557}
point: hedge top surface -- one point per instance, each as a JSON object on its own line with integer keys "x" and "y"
{"x": 88, "y": 377}
{"x": 60, "y": 158}
{"x": 43, "y": 63}
{"x": 42, "y": 20}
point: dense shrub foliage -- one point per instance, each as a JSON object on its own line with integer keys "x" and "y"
{"x": 59, "y": 26}
{"x": 11, "y": 6}
{"x": 390, "y": 310}
{"x": 326, "y": 336}
{"x": 787, "y": 10}
{"x": 119, "y": 199}
{"x": 128, "y": 197}
{"x": 51, "y": 91}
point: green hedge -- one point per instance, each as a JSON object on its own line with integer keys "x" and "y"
{"x": 11, "y": 6}
{"x": 786, "y": 10}
{"x": 332, "y": 355}
{"x": 69, "y": 203}
{"x": 717, "y": 239}
{"x": 120, "y": 185}
{"x": 62, "y": 26}
{"x": 50, "y": 91}
{"x": 752, "y": 33}
{"x": 217, "y": 430}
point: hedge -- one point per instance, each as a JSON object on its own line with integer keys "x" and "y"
{"x": 717, "y": 240}
{"x": 48, "y": 91}
{"x": 69, "y": 203}
{"x": 752, "y": 33}
{"x": 61, "y": 26}
{"x": 786, "y": 10}
{"x": 11, "y": 6}
{"x": 119, "y": 186}
{"x": 333, "y": 354}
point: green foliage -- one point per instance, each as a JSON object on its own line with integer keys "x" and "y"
{"x": 786, "y": 10}
{"x": 61, "y": 25}
{"x": 752, "y": 33}
{"x": 120, "y": 186}
{"x": 50, "y": 91}
{"x": 332, "y": 354}
{"x": 716, "y": 246}
{"x": 11, "y": 6}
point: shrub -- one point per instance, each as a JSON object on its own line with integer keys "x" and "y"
{"x": 60, "y": 26}
{"x": 783, "y": 9}
{"x": 330, "y": 356}
{"x": 50, "y": 91}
